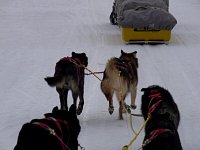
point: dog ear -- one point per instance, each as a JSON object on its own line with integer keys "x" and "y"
{"x": 84, "y": 59}
{"x": 55, "y": 109}
{"x": 134, "y": 53}
{"x": 73, "y": 54}
{"x": 72, "y": 109}
{"x": 143, "y": 89}
{"x": 84, "y": 54}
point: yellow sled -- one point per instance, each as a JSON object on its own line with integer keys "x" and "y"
{"x": 131, "y": 35}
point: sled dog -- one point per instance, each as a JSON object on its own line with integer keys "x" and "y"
{"x": 161, "y": 130}
{"x": 120, "y": 76}
{"x": 69, "y": 75}
{"x": 59, "y": 130}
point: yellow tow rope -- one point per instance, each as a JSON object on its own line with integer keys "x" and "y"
{"x": 91, "y": 72}
{"x": 126, "y": 147}
{"x": 81, "y": 65}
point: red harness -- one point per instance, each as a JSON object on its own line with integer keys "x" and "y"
{"x": 153, "y": 107}
{"x": 154, "y": 134}
{"x": 155, "y": 95}
{"x": 52, "y": 131}
{"x": 78, "y": 63}
{"x": 73, "y": 60}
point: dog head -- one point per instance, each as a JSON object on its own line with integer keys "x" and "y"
{"x": 152, "y": 95}
{"x": 71, "y": 118}
{"x": 162, "y": 100}
{"x": 129, "y": 57}
{"x": 155, "y": 89}
{"x": 82, "y": 56}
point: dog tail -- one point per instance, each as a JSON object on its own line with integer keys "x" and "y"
{"x": 55, "y": 81}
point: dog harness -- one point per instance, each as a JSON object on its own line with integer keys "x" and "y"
{"x": 78, "y": 63}
{"x": 153, "y": 107}
{"x": 52, "y": 131}
{"x": 121, "y": 65}
{"x": 154, "y": 134}
{"x": 156, "y": 95}
{"x": 73, "y": 60}
{"x": 126, "y": 67}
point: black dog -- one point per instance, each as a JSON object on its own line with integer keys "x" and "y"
{"x": 113, "y": 15}
{"x": 69, "y": 75}
{"x": 161, "y": 130}
{"x": 58, "y": 130}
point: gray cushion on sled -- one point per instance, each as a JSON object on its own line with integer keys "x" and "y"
{"x": 147, "y": 17}
{"x": 133, "y": 4}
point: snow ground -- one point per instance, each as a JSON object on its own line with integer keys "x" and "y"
{"x": 35, "y": 34}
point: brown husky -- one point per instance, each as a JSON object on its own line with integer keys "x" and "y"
{"x": 120, "y": 76}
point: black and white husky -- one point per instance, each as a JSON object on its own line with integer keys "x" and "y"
{"x": 69, "y": 75}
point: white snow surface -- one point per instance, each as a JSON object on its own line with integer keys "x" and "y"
{"x": 35, "y": 34}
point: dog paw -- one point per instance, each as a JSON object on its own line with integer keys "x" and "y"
{"x": 111, "y": 109}
{"x": 120, "y": 118}
{"x": 133, "y": 106}
{"x": 127, "y": 108}
{"x": 79, "y": 111}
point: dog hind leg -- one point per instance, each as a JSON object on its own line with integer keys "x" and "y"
{"x": 63, "y": 93}
{"x": 133, "y": 90}
{"x": 121, "y": 97}
{"x": 108, "y": 92}
{"x": 109, "y": 97}
{"x": 111, "y": 107}
{"x": 81, "y": 97}
{"x": 81, "y": 103}
{"x": 75, "y": 97}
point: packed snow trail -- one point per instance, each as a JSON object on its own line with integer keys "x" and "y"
{"x": 35, "y": 34}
